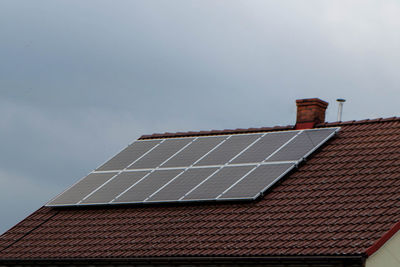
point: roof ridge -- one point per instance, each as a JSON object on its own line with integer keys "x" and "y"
{"x": 217, "y": 132}
{"x": 262, "y": 129}
{"x": 352, "y": 122}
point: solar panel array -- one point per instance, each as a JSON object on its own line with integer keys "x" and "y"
{"x": 212, "y": 168}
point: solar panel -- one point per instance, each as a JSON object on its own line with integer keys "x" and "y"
{"x": 149, "y": 185}
{"x": 220, "y": 168}
{"x": 264, "y": 147}
{"x": 128, "y": 155}
{"x": 81, "y": 189}
{"x": 228, "y": 150}
{"x": 194, "y": 151}
{"x": 257, "y": 181}
{"x": 114, "y": 187}
{"x": 182, "y": 184}
{"x": 218, "y": 183}
{"x": 161, "y": 153}
{"x": 301, "y": 145}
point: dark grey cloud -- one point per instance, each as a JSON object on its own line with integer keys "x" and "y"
{"x": 79, "y": 80}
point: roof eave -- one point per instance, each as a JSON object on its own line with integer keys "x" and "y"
{"x": 360, "y": 258}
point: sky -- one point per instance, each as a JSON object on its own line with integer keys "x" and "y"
{"x": 80, "y": 80}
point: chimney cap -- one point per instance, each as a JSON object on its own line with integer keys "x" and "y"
{"x": 311, "y": 101}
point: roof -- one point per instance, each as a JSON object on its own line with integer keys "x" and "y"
{"x": 343, "y": 201}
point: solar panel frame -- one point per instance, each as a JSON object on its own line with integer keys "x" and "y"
{"x": 181, "y": 170}
{"x": 234, "y": 153}
{"x": 107, "y": 162}
{"x": 322, "y": 142}
{"x": 145, "y": 184}
{"x": 275, "y": 155}
{"x": 287, "y": 167}
{"x": 161, "y": 160}
{"x": 160, "y": 196}
{"x": 214, "y": 142}
{"x": 122, "y": 177}
{"x": 213, "y": 181}
{"x": 257, "y": 146}
{"x": 52, "y": 203}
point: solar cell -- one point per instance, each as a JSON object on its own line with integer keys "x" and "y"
{"x": 229, "y": 149}
{"x": 182, "y": 184}
{"x": 128, "y": 155}
{"x": 264, "y": 147}
{"x": 257, "y": 181}
{"x": 161, "y": 153}
{"x": 194, "y": 151}
{"x": 147, "y": 186}
{"x": 218, "y": 183}
{"x": 302, "y": 144}
{"x": 81, "y": 189}
{"x": 115, "y": 187}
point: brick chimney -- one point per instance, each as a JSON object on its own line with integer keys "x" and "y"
{"x": 310, "y": 111}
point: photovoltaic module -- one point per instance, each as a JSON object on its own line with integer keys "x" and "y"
{"x": 207, "y": 168}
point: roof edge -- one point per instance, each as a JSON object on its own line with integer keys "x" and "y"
{"x": 262, "y": 129}
{"x": 353, "y": 122}
{"x": 381, "y": 241}
{"x": 217, "y": 132}
{"x": 354, "y": 257}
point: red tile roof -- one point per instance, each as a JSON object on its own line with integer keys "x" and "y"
{"x": 341, "y": 202}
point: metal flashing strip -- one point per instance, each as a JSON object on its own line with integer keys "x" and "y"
{"x": 205, "y": 166}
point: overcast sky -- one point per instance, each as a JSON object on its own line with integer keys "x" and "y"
{"x": 79, "y": 80}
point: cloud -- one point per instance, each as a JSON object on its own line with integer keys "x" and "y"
{"x": 20, "y": 196}
{"x": 45, "y": 151}
{"x": 80, "y": 80}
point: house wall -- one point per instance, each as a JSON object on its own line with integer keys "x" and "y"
{"x": 388, "y": 255}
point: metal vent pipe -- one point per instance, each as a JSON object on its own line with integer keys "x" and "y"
{"x": 340, "y": 108}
